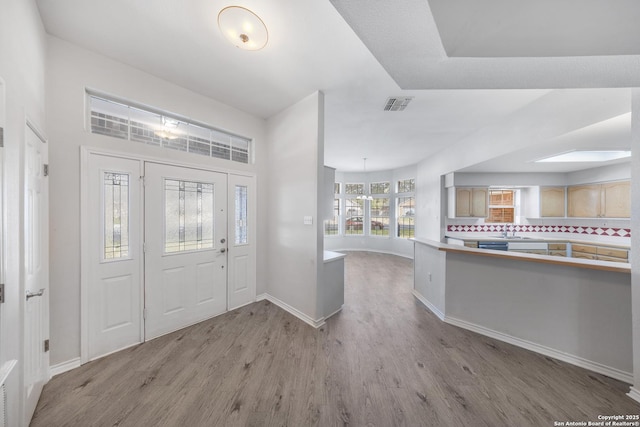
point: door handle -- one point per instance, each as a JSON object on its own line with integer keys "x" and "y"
{"x": 35, "y": 294}
{"x": 223, "y": 250}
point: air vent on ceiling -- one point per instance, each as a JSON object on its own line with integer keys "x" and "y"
{"x": 397, "y": 103}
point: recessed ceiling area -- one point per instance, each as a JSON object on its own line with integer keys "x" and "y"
{"x": 541, "y": 28}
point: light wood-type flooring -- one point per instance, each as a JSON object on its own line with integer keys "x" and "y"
{"x": 385, "y": 360}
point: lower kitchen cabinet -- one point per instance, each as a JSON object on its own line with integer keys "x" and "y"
{"x": 601, "y": 253}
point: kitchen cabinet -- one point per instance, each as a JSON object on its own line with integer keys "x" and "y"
{"x": 607, "y": 200}
{"x": 471, "y": 202}
{"x": 583, "y": 201}
{"x": 558, "y": 249}
{"x": 616, "y": 199}
{"x": 601, "y": 253}
{"x": 552, "y": 201}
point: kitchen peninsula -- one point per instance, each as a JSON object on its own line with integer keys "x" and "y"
{"x": 573, "y": 309}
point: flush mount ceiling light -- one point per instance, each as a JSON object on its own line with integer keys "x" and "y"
{"x": 587, "y": 156}
{"x": 243, "y": 28}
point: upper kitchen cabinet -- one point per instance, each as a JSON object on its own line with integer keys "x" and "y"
{"x": 607, "y": 200}
{"x": 616, "y": 199}
{"x": 471, "y": 202}
{"x": 552, "y": 202}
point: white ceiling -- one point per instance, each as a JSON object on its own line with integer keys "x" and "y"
{"x": 540, "y": 28}
{"x": 311, "y": 47}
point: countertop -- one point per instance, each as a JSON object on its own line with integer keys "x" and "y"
{"x": 498, "y": 238}
{"x": 545, "y": 259}
{"x": 330, "y": 256}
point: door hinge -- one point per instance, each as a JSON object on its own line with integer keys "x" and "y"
{"x": 1, "y": 293}
{"x": 46, "y": 345}
{"x": 45, "y": 169}
{"x": 144, "y": 247}
{"x": 144, "y": 313}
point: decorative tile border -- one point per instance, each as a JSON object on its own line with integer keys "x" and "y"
{"x": 497, "y": 228}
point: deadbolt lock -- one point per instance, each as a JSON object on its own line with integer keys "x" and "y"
{"x": 223, "y": 240}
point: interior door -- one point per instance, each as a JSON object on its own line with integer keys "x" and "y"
{"x": 185, "y": 247}
{"x": 36, "y": 243}
{"x": 114, "y": 283}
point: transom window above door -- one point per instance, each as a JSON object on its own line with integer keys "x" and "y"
{"x": 125, "y": 120}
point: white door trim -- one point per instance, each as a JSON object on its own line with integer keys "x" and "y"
{"x": 85, "y": 152}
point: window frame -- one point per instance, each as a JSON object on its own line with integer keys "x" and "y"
{"x": 512, "y": 206}
{"x": 166, "y": 142}
{"x": 399, "y": 197}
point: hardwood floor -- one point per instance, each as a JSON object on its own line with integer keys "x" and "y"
{"x": 384, "y": 360}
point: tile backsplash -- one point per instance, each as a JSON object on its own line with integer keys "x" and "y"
{"x": 533, "y": 228}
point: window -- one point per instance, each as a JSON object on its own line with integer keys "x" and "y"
{"x": 116, "y": 215}
{"x": 188, "y": 216}
{"x": 354, "y": 189}
{"x": 123, "y": 120}
{"x": 355, "y": 216}
{"x": 407, "y": 186}
{"x": 501, "y": 206}
{"x": 379, "y": 216}
{"x": 406, "y": 211}
{"x": 241, "y": 215}
{"x": 379, "y": 188}
{"x": 405, "y": 208}
{"x": 331, "y": 227}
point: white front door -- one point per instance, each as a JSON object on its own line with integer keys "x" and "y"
{"x": 185, "y": 247}
{"x": 36, "y": 244}
{"x": 113, "y": 217}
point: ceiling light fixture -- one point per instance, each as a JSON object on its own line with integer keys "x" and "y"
{"x": 363, "y": 196}
{"x": 586, "y": 156}
{"x": 243, "y": 28}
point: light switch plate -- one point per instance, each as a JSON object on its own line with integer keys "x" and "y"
{"x": 308, "y": 220}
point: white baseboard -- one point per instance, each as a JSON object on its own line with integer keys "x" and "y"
{"x": 291, "y": 310}
{"x": 374, "y": 251}
{"x": 634, "y": 393}
{"x": 335, "y": 312}
{"x": 618, "y": 374}
{"x": 429, "y": 305}
{"x": 63, "y": 367}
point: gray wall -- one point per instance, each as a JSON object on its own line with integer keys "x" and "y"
{"x": 578, "y": 311}
{"x": 71, "y": 69}
{"x": 635, "y": 236}
{"x": 294, "y": 250}
{"x": 22, "y": 69}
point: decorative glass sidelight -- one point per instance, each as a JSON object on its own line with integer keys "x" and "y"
{"x": 116, "y": 215}
{"x": 189, "y": 222}
{"x": 241, "y": 215}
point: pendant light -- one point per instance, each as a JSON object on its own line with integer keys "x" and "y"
{"x": 364, "y": 196}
